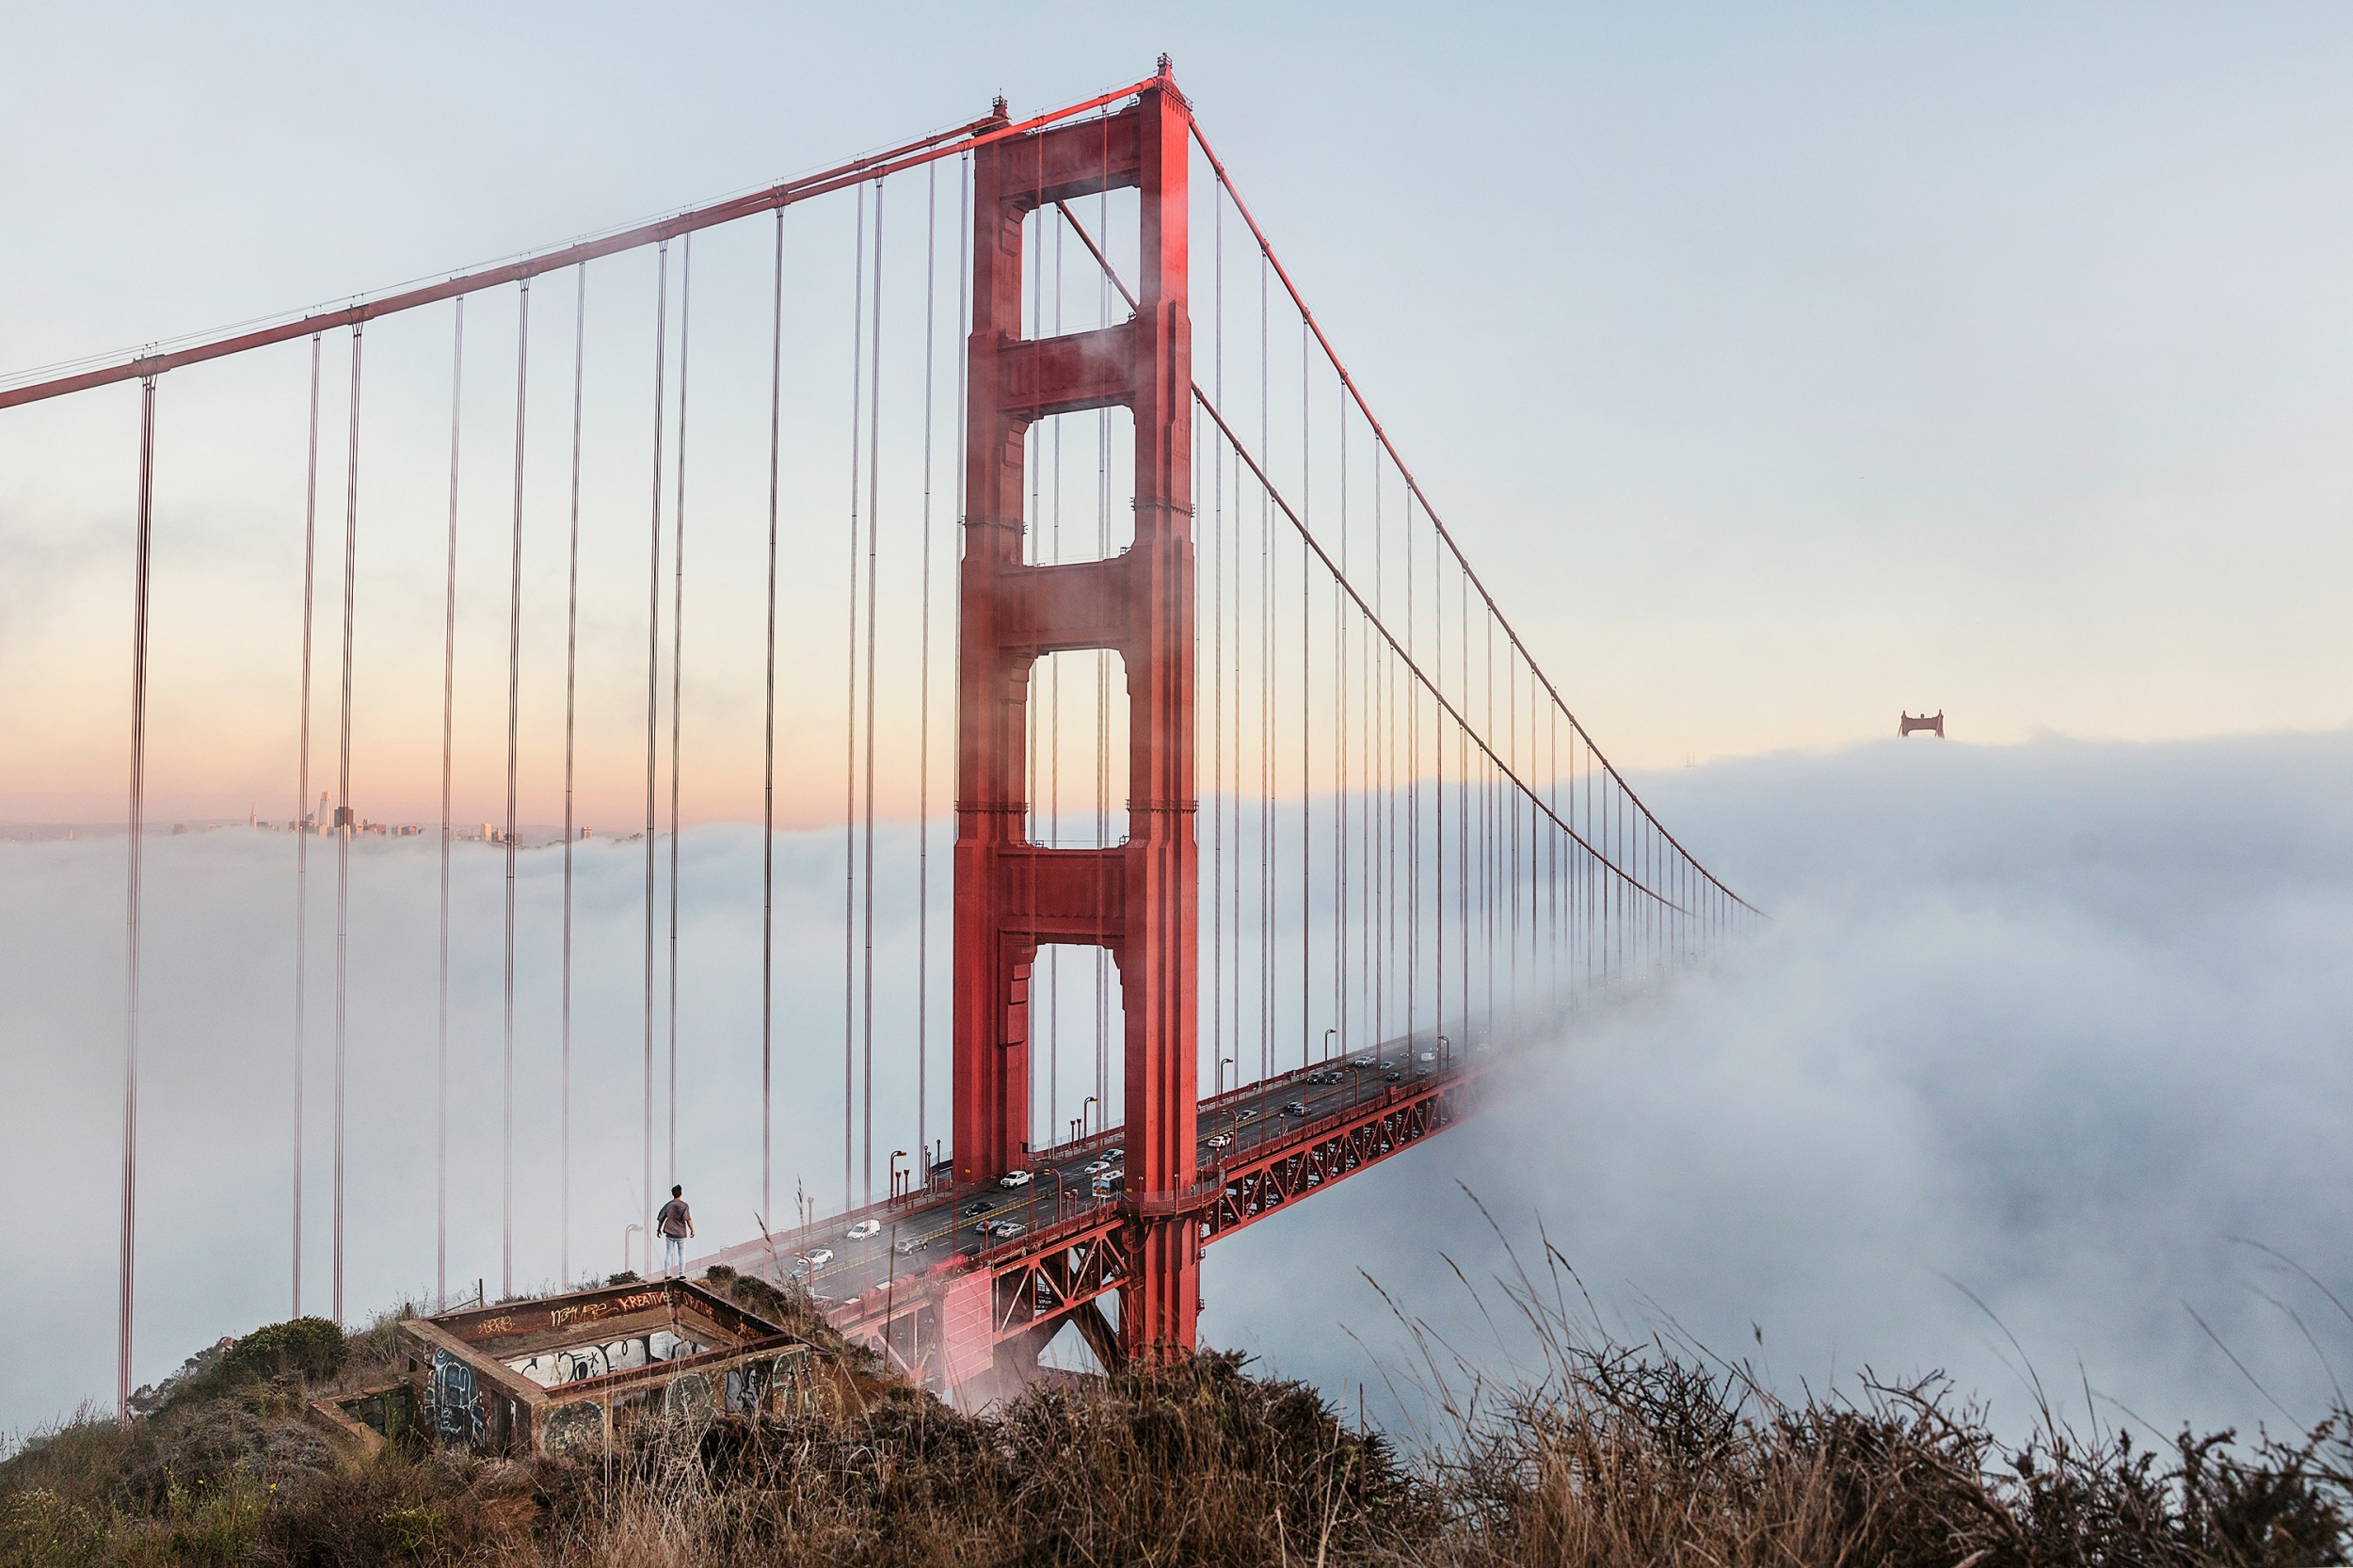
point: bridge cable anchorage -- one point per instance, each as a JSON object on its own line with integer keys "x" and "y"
{"x": 136, "y": 836}
{"x": 514, "y": 732}
{"x": 1313, "y": 549}
{"x": 850, "y": 714}
{"x": 301, "y": 818}
{"x": 678, "y": 667}
{"x": 572, "y": 672}
{"x": 449, "y": 691}
{"x": 653, "y": 727}
{"x": 768, "y": 744}
{"x": 1355, "y": 394}
{"x": 345, "y": 821}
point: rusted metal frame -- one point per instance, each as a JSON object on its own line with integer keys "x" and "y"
{"x": 914, "y": 154}
{"x": 1380, "y": 434}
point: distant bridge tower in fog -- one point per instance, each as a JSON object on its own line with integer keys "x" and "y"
{"x": 1934, "y": 723}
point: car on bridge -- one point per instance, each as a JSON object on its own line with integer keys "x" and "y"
{"x": 1015, "y": 1178}
{"x": 1296, "y": 1108}
{"x": 1005, "y": 1230}
{"x": 911, "y": 1245}
{"x": 978, "y": 1206}
{"x": 1220, "y": 1139}
{"x": 1247, "y": 1114}
{"x": 817, "y": 1257}
{"x": 1392, "y": 1076}
{"x": 865, "y": 1228}
{"x": 1097, "y": 1167}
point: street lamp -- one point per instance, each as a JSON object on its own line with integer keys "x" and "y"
{"x": 1327, "y": 1043}
{"x": 1083, "y": 1116}
{"x": 625, "y": 1235}
{"x": 1223, "y": 1062}
{"x": 1446, "y": 1052}
{"x": 896, "y": 1155}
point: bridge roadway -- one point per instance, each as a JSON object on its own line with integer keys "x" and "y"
{"x": 1257, "y": 1153}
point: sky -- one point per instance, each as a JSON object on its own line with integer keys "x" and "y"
{"x": 1784, "y": 369}
{"x": 1792, "y": 368}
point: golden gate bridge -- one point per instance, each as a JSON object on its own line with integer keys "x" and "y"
{"x": 1363, "y": 840}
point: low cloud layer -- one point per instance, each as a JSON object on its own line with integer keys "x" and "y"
{"x": 2051, "y": 1023}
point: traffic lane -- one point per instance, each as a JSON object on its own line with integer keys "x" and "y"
{"x": 945, "y": 1229}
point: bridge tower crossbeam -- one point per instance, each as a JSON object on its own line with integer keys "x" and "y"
{"x": 1138, "y": 899}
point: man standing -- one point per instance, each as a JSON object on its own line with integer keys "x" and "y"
{"x": 676, "y": 1222}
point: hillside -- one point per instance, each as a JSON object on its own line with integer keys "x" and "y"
{"x": 1616, "y": 1456}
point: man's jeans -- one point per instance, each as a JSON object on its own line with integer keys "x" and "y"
{"x": 673, "y": 1256}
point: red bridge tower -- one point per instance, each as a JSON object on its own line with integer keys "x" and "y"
{"x": 1137, "y": 899}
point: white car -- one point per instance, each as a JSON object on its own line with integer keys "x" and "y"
{"x": 1099, "y": 1167}
{"x": 1430, "y": 1056}
{"x": 1014, "y": 1179}
{"x": 865, "y": 1228}
{"x": 817, "y": 1257}
{"x": 1220, "y": 1139}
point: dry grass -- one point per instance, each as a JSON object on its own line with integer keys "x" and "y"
{"x": 1600, "y": 1455}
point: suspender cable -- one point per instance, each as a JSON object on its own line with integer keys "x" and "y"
{"x": 678, "y": 658}
{"x": 874, "y": 530}
{"x": 449, "y": 693}
{"x": 653, "y": 718}
{"x": 849, "y": 713}
{"x": 302, "y": 808}
{"x": 514, "y": 730}
{"x": 923, "y": 702}
{"x": 964, "y": 326}
{"x": 1355, "y": 394}
{"x": 768, "y": 749}
{"x": 571, "y": 669}
{"x": 1217, "y": 669}
{"x": 136, "y": 837}
{"x": 343, "y": 819}
{"x": 678, "y": 665}
{"x": 1306, "y": 784}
